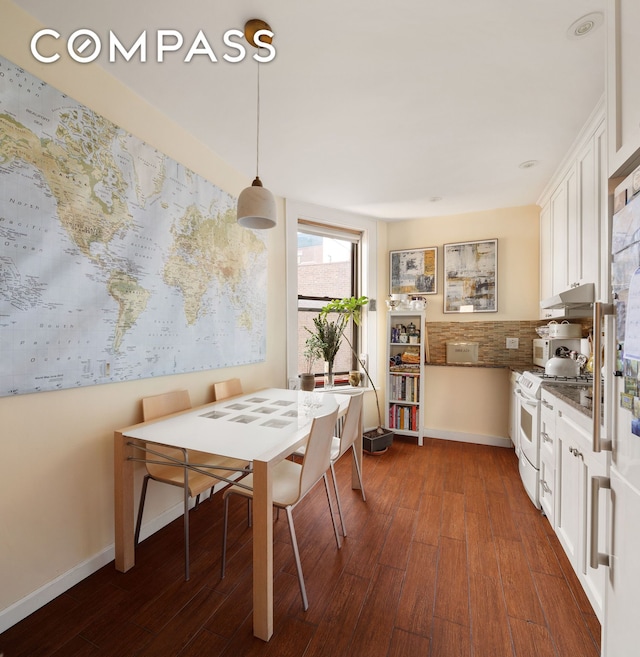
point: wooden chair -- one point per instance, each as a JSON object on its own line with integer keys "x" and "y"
{"x": 162, "y": 463}
{"x": 227, "y": 389}
{"x": 291, "y": 482}
{"x": 340, "y": 445}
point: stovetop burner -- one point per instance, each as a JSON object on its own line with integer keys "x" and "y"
{"x": 587, "y": 379}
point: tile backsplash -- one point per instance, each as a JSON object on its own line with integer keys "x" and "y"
{"x": 491, "y": 337}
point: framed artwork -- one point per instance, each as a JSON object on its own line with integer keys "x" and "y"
{"x": 471, "y": 277}
{"x": 413, "y": 271}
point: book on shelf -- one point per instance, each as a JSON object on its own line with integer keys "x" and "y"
{"x": 403, "y": 417}
{"x": 405, "y": 388}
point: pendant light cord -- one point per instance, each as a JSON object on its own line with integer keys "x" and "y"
{"x": 258, "y": 120}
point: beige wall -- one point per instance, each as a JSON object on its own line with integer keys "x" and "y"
{"x": 56, "y": 479}
{"x": 465, "y": 403}
{"x": 517, "y": 232}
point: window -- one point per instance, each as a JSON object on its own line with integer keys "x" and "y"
{"x": 328, "y": 268}
{"x": 329, "y": 238}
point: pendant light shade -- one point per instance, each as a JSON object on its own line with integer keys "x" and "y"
{"x": 256, "y": 204}
{"x": 256, "y": 207}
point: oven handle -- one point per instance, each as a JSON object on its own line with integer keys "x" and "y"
{"x": 526, "y": 400}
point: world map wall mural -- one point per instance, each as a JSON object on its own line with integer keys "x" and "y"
{"x": 116, "y": 262}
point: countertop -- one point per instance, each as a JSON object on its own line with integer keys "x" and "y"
{"x": 578, "y": 396}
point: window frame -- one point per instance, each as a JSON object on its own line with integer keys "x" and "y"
{"x": 326, "y": 219}
{"x": 315, "y": 303}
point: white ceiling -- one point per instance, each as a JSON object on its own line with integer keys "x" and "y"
{"x": 371, "y": 106}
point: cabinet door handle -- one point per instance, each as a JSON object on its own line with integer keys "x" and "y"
{"x": 545, "y": 486}
{"x": 546, "y": 404}
{"x": 545, "y": 437}
{"x": 597, "y": 558}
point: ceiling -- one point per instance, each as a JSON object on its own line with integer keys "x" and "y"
{"x": 371, "y": 106}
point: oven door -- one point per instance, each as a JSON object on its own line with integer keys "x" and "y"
{"x": 529, "y": 428}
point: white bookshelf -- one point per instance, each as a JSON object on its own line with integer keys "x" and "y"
{"x": 404, "y": 390}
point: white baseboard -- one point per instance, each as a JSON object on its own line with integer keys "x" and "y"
{"x": 478, "y": 439}
{"x": 51, "y": 590}
{"x": 45, "y": 594}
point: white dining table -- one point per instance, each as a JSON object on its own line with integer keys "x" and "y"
{"x": 263, "y": 427}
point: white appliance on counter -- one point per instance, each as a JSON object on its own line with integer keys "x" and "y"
{"x": 546, "y": 348}
{"x": 528, "y": 396}
{"x": 621, "y": 627}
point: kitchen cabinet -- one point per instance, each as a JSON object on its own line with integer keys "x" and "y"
{"x": 563, "y": 226}
{"x": 623, "y": 91}
{"x": 584, "y": 234}
{"x": 547, "y": 492}
{"x": 546, "y": 283}
{"x": 573, "y": 212}
{"x": 576, "y": 464}
{"x": 514, "y": 413}
{"x": 404, "y": 390}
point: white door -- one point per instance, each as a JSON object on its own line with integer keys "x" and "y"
{"x": 621, "y": 637}
{"x": 621, "y": 629}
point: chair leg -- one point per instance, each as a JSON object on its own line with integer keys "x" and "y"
{"x": 197, "y": 504}
{"x": 333, "y": 518}
{"x": 359, "y": 471}
{"x": 296, "y": 554}
{"x": 186, "y": 531}
{"x": 143, "y": 497}
{"x": 225, "y": 521}
{"x": 335, "y": 488}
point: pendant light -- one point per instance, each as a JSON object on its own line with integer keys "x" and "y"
{"x": 256, "y": 204}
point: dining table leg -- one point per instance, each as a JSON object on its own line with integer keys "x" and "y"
{"x": 123, "y": 512}
{"x": 262, "y": 551}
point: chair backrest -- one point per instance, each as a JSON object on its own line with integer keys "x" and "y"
{"x": 351, "y": 425}
{"x": 165, "y": 404}
{"x": 157, "y": 406}
{"x": 226, "y": 389}
{"x": 317, "y": 455}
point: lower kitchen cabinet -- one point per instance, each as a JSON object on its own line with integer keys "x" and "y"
{"x": 576, "y": 464}
{"x": 547, "y": 492}
{"x": 514, "y": 412}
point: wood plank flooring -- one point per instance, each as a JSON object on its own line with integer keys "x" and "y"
{"x": 447, "y": 558}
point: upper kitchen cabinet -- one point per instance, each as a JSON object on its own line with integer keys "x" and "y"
{"x": 572, "y": 216}
{"x": 623, "y": 90}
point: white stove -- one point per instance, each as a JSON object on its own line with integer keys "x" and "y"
{"x": 530, "y": 382}
{"x": 527, "y": 440}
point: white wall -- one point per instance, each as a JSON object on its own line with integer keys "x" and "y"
{"x": 56, "y": 470}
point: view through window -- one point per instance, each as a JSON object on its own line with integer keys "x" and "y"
{"x": 328, "y": 266}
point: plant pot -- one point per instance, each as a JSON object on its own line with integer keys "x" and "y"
{"x": 328, "y": 375}
{"x": 307, "y": 382}
{"x": 355, "y": 378}
{"x": 377, "y": 443}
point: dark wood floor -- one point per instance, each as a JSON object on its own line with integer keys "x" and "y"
{"x": 447, "y": 558}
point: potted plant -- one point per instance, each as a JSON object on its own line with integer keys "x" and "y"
{"x": 312, "y": 352}
{"x": 350, "y": 309}
{"x": 328, "y": 337}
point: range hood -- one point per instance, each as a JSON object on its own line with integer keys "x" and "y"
{"x": 574, "y": 302}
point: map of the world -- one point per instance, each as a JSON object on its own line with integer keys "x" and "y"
{"x": 116, "y": 262}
